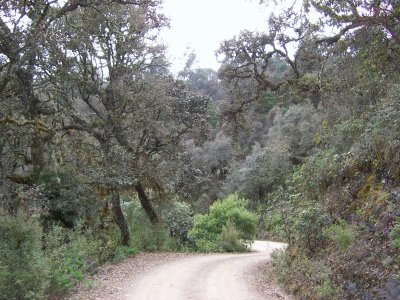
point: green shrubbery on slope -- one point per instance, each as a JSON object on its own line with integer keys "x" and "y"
{"x": 227, "y": 226}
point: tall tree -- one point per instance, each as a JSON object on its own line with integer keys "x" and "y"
{"x": 109, "y": 77}
{"x": 24, "y": 29}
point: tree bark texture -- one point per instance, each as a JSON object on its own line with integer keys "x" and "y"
{"x": 119, "y": 217}
{"x": 146, "y": 204}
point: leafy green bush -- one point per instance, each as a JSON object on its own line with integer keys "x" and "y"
{"x": 124, "y": 251}
{"x": 230, "y": 239}
{"x": 309, "y": 228}
{"x": 179, "y": 220}
{"x": 311, "y": 279}
{"x": 342, "y": 234}
{"x": 71, "y": 255}
{"x": 321, "y": 170}
{"x": 74, "y": 253}
{"x": 23, "y": 267}
{"x": 67, "y": 199}
{"x": 208, "y": 228}
{"x": 279, "y": 222}
{"x": 395, "y": 235}
{"x": 143, "y": 234}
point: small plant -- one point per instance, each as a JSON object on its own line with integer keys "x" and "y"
{"x": 147, "y": 236}
{"x": 179, "y": 220}
{"x": 69, "y": 263}
{"x": 309, "y": 278}
{"x": 342, "y": 234}
{"x": 23, "y": 267}
{"x": 326, "y": 290}
{"x": 73, "y": 254}
{"x": 308, "y": 228}
{"x": 395, "y": 236}
{"x": 124, "y": 251}
{"x": 281, "y": 263}
{"x": 230, "y": 239}
{"x": 229, "y": 213}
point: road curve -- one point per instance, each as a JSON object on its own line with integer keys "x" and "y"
{"x": 210, "y": 276}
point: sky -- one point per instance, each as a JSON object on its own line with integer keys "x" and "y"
{"x": 202, "y": 25}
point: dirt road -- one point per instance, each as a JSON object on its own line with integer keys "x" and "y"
{"x": 213, "y": 276}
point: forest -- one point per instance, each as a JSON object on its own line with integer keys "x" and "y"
{"x": 104, "y": 152}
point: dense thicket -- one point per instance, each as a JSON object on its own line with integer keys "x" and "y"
{"x": 324, "y": 169}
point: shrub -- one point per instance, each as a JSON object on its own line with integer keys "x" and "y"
{"x": 23, "y": 268}
{"x": 207, "y": 229}
{"x": 66, "y": 198}
{"x": 74, "y": 253}
{"x": 342, "y": 234}
{"x": 309, "y": 227}
{"x": 308, "y": 278}
{"x": 281, "y": 264}
{"x": 395, "y": 235}
{"x": 143, "y": 234}
{"x": 230, "y": 239}
{"x": 179, "y": 220}
{"x": 71, "y": 255}
{"x": 279, "y": 222}
{"x": 124, "y": 251}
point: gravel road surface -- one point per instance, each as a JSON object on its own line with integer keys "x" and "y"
{"x": 165, "y": 276}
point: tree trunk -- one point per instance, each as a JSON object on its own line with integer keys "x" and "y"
{"x": 146, "y": 204}
{"x": 28, "y": 83}
{"x": 119, "y": 217}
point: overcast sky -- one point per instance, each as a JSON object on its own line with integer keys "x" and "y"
{"x": 203, "y": 24}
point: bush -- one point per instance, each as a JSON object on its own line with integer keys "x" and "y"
{"x": 309, "y": 227}
{"x": 395, "y": 236}
{"x": 230, "y": 239}
{"x": 281, "y": 264}
{"x": 23, "y": 268}
{"x": 308, "y": 278}
{"x": 125, "y": 251}
{"x": 229, "y": 213}
{"x": 143, "y": 234}
{"x": 341, "y": 233}
{"x": 279, "y": 222}
{"x": 179, "y": 220}
{"x": 67, "y": 199}
{"x": 72, "y": 254}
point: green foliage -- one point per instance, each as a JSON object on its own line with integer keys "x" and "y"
{"x": 282, "y": 265}
{"x": 395, "y": 236}
{"x": 309, "y": 228}
{"x": 124, "y": 251}
{"x": 72, "y": 254}
{"x": 267, "y": 102}
{"x": 309, "y": 278}
{"x": 230, "y": 239}
{"x": 146, "y": 236}
{"x": 274, "y": 221}
{"x": 61, "y": 188}
{"x": 229, "y": 213}
{"x": 34, "y": 265}
{"x": 319, "y": 172}
{"x": 179, "y": 220}
{"x": 342, "y": 234}
{"x": 282, "y": 208}
{"x": 24, "y": 268}
{"x": 67, "y": 198}
{"x": 326, "y": 290}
